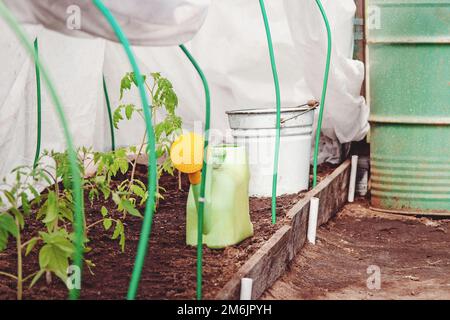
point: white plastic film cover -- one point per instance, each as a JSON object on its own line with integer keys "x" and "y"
{"x": 146, "y": 22}
{"x": 231, "y": 47}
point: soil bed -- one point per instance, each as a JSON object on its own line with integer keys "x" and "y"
{"x": 412, "y": 255}
{"x": 170, "y": 267}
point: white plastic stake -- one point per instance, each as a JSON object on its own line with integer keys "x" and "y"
{"x": 246, "y": 288}
{"x": 351, "y": 187}
{"x": 312, "y": 223}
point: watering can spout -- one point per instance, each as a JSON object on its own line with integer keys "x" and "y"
{"x": 195, "y": 178}
{"x": 186, "y": 154}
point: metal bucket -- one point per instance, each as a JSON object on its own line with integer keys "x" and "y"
{"x": 409, "y": 96}
{"x": 256, "y": 129}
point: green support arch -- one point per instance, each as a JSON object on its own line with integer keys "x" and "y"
{"x": 324, "y": 93}
{"x": 39, "y": 105}
{"x": 108, "y": 107}
{"x": 201, "y": 206}
{"x": 76, "y": 182}
{"x": 150, "y": 206}
{"x": 278, "y": 104}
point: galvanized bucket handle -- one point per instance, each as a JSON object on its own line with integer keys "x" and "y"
{"x": 313, "y": 104}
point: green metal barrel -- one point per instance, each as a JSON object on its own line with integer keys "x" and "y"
{"x": 409, "y": 97}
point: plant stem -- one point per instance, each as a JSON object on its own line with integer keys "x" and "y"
{"x": 29, "y": 276}
{"x": 27, "y": 242}
{"x": 57, "y": 200}
{"x": 133, "y": 171}
{"x": 9, "y": 275}
{"x": 179, "y": 181}
{"x": 94, "y": 224}
{"x": 19, "y": 263}
{"x": 48, "y": 277}
{"x": 148, "y": 87}
{"x": 98, "y": 222}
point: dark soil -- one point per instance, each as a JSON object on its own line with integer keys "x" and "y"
{"x": 170, "y": 267}
{"x": 412, "y": 254}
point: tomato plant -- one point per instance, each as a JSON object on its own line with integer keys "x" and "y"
{"x": 53, "y": 209}
{"x": 56, "y": 244}
{"x": 164, "y": 98}
{"x": 100, "y": 185}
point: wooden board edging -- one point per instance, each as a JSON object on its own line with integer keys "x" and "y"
{"x": 272, "y": 259}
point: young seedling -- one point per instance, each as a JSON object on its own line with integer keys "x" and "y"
{"x": 56, "y": 249}
{"x": 100, "y": 185}
{"x": 164, "y": 98}
{"x": 54, "y": 209}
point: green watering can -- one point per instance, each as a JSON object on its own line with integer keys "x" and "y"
{"x": 226, "y": 217}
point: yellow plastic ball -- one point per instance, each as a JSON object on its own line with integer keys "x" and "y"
{"x": 186, "y": 153}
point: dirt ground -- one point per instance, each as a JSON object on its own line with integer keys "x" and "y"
{"x": 411, "y": 254}
{"x": 170, "y": 267}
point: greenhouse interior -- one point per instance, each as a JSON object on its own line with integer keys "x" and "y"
{"x": 224, "y": 150}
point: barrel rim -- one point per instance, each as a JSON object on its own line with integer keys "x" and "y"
{"x": 410, "y": 120}
{"x": 411, "y": 211}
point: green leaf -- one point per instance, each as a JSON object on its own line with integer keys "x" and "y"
{"x": 25, "y": 203}
{"x": 18, "y": 214}
{"x": 9, "y": 195}
{"x": 133, "y": 149}
{"x": 89, "y": 263}
{"x": 7, "y": 227}
{"x": 42, "y": 210}
{"x": 104, "y": 211}
{"x": 123, "y": 165}
{"x": 116, "y": 198}
{"x": 121, "y": 153}
{"x": 118, "y": 230}
{"x": 45, "y": 256}
{"x": 138, "y": 191}
{"x": 117, "y": 116}
{"x": 125, "y": 84}
{"x": 134, "y": 78}
{"x": 8, "y": 224}
{"x": 3, "y": 240}
{"x": 105, "y": 190}
{"x": 107, "y": 223}
{"x": 93, "y": 194}
{"x": 60, "y": 239}
{"x": 36, "y": 278}
{"x": 33, "y": 190}
{"x": 52, "y": 208}
{"x": 129, "y": 111}
{"x": 31, "y": 245}
{"x": 66, "y": 212}
{"x": 53, "y": 258}
{"x": 122, "y": 241}
{"x": 100, "y": 179}
{"x": 129, "y": 207}
{"x": 114, "y": 168}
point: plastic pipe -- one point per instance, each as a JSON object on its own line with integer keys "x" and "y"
{"x": 324, "y": 92}
{"x": 246, "y": 288}
{"x": 150, "y": 206}
{"x": 352, "y": 185}
{"x": 108, "y": 107}
{"x": 278, "y": 102}
{"x": 312, "y": 221}
{"x": 76, "y": 181}
{"x": 201, "y": 200}
{"x": 39, "y": 106}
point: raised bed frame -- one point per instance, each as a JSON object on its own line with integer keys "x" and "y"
{"x": 272, "y": 260}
